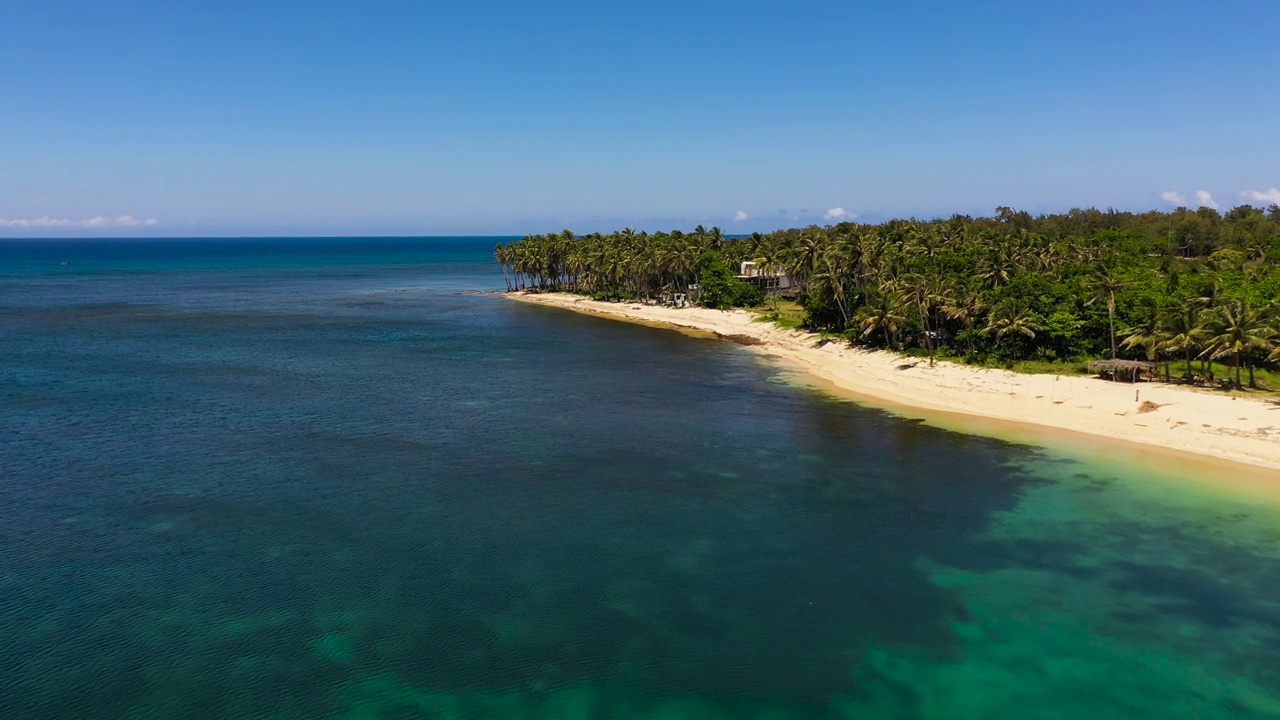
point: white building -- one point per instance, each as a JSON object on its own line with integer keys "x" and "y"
{"x": 766, "y": 279}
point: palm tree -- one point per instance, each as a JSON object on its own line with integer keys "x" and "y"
{"x": 882, "y": 313}
{"x": 996, "y": 266}
{"x": 1185, "y": 329}
{"x": 965, "y": 306}
{"x": 767, "y": 256}
{"x": 1238, "y": 329}
{"x": 803, "y": 257}
{"x": 1105, "y": 286}
{"x": 502, "y": 255}
{"x": 870, "y": 252}
{"x": 881, "y": 278}
{"x": 830, "y": 276}
{"x": 924, "y": 291}
{"x": 924, "y": 240}
{"x": 1008, "y": 319}
{"x": 716, "y": 238}
{"x": 1150, "y": 334}
{"x": 520, "y": 260}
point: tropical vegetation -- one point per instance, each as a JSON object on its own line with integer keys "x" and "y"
{"x": 1183, "y": 288}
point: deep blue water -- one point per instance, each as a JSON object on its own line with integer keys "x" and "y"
{"x": 328, "y": 478}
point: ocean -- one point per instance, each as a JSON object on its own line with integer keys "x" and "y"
{"x": 340, "y": 478}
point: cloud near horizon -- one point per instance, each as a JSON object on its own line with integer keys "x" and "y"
{"x": 99, "y": 221}
{"x": 838, "y": 214}
{"x": 1268, "y": 196}
{"x": 1203, "y": 198}
{"x": 1206, "y": 200}
{"x": 740, "y": 215}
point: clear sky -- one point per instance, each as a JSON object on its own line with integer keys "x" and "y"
{"x": 323, "y": 117}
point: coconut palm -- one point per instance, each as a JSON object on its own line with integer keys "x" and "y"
{"x": 981, "y": 259}
{"x": 996, "y": 265}
{"x": 1237, "y": 328}
{"x": 882, "y": 313}
{"x": 831, "y": 276}
{"x": 716, "y": 239}
{"x": 965, "y": 305}
{"x": 1185, "y": 329}
{"x": 924, "y": 292}
{"x": 1104, "y": 285}
{"x": 1008, "y": 319}
{"x": 501, "y": 254}
{"x": 1150, "y": 335}
{"x": 803, "y": 256}
{"x": 768, "y": 255}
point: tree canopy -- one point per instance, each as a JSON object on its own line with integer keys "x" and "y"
{"x": 1187, "y": 284}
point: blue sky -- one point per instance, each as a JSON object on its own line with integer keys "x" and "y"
{"x": 319, "y": 117}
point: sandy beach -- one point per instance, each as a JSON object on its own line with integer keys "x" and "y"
{"x": 1203, "y": 422}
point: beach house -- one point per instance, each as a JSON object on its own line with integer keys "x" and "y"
{"x": 767, "y": 278}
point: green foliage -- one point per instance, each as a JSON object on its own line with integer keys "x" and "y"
{"x": 820, "y": 309}
{"x": 1189, "y": 287}
{"x": 719, "y": 288}
{"x": 1062, "y": 336}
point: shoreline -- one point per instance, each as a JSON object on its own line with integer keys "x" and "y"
{"x": 1193, "y": 424}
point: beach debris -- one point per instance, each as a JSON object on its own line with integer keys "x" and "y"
{"x": 1149, "y": 406}
{"x": 741, "y": 339}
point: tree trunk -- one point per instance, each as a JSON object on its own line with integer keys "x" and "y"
{"x": 1111, "y": 321}
{"x": 928, "y": 338}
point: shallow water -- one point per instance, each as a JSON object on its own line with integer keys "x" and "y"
{"x": 309, "y": 479}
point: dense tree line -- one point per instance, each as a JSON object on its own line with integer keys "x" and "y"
{"x": 1190, "y": 286}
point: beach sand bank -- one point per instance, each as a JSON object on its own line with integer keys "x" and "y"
{"x": 1200, "y": 422}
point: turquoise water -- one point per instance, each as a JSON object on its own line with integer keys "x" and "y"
{"x": 326, "y": 479}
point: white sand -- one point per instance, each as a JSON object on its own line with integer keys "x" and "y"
{"x": 1204, "y": 422}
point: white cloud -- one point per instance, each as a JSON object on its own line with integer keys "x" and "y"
{"x": 740, "y": 215}
{"x": 838, "y": 214}
{"x": 1266, "y": 196}
{"x": 99, "y": 221}
{"x": 1206, "y": 200}
{"x": 1174, "y": 198}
